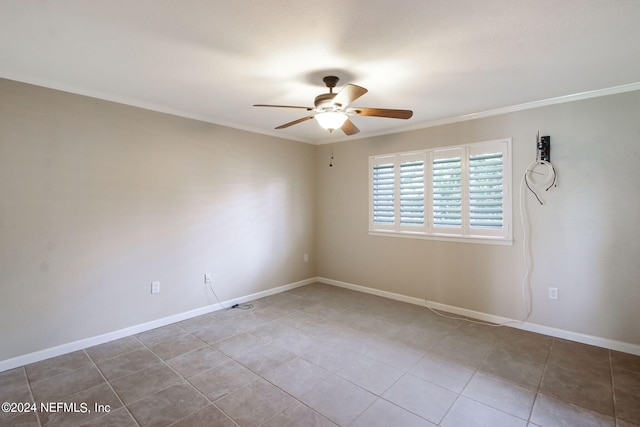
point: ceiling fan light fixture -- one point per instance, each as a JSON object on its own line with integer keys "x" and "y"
{"x": 332, "y": 109}
{"x": 331, "y": 120}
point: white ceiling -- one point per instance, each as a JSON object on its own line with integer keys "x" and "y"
{"x": 213, "y": 59}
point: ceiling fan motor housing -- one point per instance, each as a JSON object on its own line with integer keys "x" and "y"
{"x": 330, "y": 81}
{"x": 323, "y": 101}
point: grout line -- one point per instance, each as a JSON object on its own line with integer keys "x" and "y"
{"x": 573, "y": 403}
{"x": 26, "y": 377}
{"x": 177, "y": 373}
{"x": 291, "y": 395}
{"x": 544, "y": 371}
{"x": 613, "y": 389}
{"x": 475, "y": 372}
{"x": 111, "y": 387}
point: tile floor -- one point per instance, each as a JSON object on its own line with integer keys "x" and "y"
{"x": 323, "y": 356}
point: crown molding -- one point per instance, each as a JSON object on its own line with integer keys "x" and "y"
{"x": 502, "y": 110}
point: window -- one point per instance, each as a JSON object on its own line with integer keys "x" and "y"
{"x": 460, "y": 192}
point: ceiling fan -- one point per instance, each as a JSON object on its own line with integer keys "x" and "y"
{"x": 332, "y": 110}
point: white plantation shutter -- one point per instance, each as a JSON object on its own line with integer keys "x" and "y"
{"x": 485, "y": 190}
{"x": 383, "y": 190}
{"x": 397, "y": 192}
{"x": 458, "y": 192}
{"x": 412, "y": 191}
{"x": 447, "y": 191}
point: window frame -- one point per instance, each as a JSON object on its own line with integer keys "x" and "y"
{"x": 465, "y": 232}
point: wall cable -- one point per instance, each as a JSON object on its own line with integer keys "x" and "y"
{"x": 240, "y": 306}
{"x": 550, "y": 178}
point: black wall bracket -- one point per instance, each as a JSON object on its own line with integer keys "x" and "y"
{"x": 544, "y": 148}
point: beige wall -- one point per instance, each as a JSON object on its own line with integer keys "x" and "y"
{"x": 97, "y": 200}
{"x": 585, "y": 239}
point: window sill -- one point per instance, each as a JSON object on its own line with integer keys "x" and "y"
{"x": 484, "y": 240}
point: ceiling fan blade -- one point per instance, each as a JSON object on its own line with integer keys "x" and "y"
{"x": 283, "y": 106}
{"x": 347, "y": 95}
{"x": 349, "y": 128}
{"x": 295, "y": 122}
{"x": 381, "y": 112}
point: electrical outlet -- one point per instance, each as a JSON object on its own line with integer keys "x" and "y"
{"x": 553, "y": 293}
{"x": 155, "y": 287}
{"x": 207, "y": 278}
{"x": 306, "y": 258}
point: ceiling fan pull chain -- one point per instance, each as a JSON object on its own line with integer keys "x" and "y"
{"x": 331, "y": 151}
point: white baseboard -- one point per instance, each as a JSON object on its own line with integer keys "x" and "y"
{"x": 136, "y": 329}
{"x": 527, "y": 326}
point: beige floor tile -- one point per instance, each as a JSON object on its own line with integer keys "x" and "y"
{"x": 331, "y": 357}
{"x": 24, "y": 419}
{"x": 13, "y": 386}
{"x": 298, "y": 343}
{"x": 513, "y": 365}
{"x": 628, "y": 362}
{"x": 273, "y": 330}
{"x": 255, "y": 403}
{"x": 627, "y": 395}
{"x": 338, "y": 400}
{"x": 300, "y": 320}
{"x": 587, "y": 385}
{"x": 421, "y": 397}
{"x": 441, "y": 372}
{"x": 466, "y": 412}
{"x": 216, "y": 332}
{"x": 114, "y": 348}
{"x": 532, "y": 342}
{"x": 199, "y": 322}
{"x": 237, "y": 345}
{"x": 209, "y": 416}
{"x": 548, "y": 411}
{"x": 298, "y": 415}
{"x": 394, "y": 353}
{"x": 128, "y": 363}
{"x": 65, "y": 384}
{"x": 369, "y": 374}
{"x": 143, "y": 383}
{"x": 158, "y": 335}
{"x": 277, "y": 311}
{"x": 177, "y": 345}
{"x": 57, "y": 365}
{"x": 573, "y": 352}
{"x": 422, "y": 337}
{"x": 99, "y": 401}
{"x": 118, "y": 418}
{"x": 507, "y": 397}
{"x": 222, "y": 380}
{"x": 297, "y": 376}
{"x": 525, "y": 349}
{"x": 463, "y": 350}
{"x": 265, "y": 359}
{"x": 328, "y": 330}
{"x": 623, "y": 423}
{"x": 250, "y": 320}
{"x": 197, "y": 361}
{"x": 168, "y": 405}
{"x": 356, "y": 341}
{"x": 385, "y": 414}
